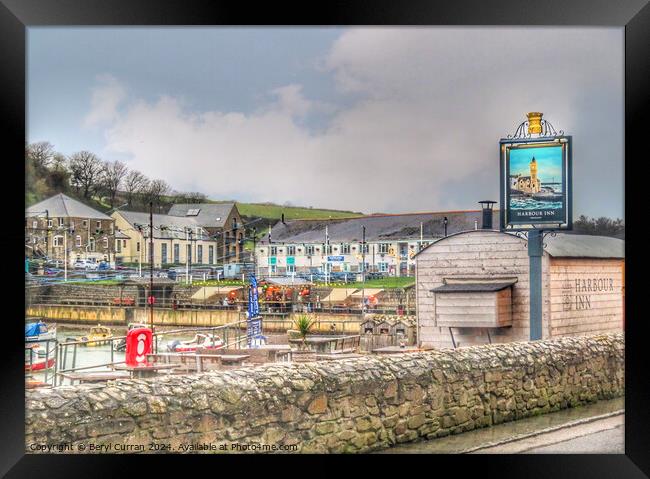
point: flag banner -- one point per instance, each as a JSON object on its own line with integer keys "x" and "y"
{"x": 254, "y": 324}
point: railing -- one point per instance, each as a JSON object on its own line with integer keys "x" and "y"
{"x": 233, "y": 335}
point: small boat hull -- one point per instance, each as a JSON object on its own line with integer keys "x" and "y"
{"x": 40, "y": 365}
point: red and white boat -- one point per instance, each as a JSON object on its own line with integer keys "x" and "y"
{"x": 200, "y": 341}
{"x": 36, "y": 358}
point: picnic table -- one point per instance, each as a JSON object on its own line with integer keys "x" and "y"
{"x": 234, "y": 359}
{"x": 398, "y": 349}
{"x": 145, "y": 370}
{"x": 95, "y": 376}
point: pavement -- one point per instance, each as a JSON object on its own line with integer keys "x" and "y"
{"x": 595, "y": 428}
{"x": 600, "y": 436}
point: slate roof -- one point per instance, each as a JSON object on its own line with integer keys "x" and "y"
{"x": 174, "y": 226}
{"x": 378, "y": 227}
{"x": 210, "y": 215}
{"x": 62, "y": 206}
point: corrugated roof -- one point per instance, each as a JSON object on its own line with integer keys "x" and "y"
{"x": 378, "y": 227}
{"x": 288, "y": 281}
{"x": 62, "y": 206}
{"x": 210, "y": 215}
{"x": 565, "y": 245}
{"x": 471, "y": 287}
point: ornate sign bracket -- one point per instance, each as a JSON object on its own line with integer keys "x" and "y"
{"x": 535, "y": 127}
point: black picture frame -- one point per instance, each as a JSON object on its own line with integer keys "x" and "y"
{"x": 506, "y": 222}
{"x": 632, "y": 15}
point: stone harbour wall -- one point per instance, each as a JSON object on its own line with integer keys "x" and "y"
{"x": 350, "y": 405}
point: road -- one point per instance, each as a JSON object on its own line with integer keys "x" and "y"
{"x": 602, "y": 436}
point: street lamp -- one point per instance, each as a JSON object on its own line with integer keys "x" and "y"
{"x": 444, "y": 222}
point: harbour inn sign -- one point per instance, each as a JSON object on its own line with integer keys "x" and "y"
{"x": 579, "y": 298}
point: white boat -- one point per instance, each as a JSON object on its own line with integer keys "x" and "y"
{"x": 202, "y": 341}
{"x": 39, "y": 331}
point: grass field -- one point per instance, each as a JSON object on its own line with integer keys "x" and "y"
{"x": 386, "y": 283}
{"x": 274, "y": 212}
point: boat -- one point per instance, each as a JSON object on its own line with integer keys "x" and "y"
{"x": 39, "y": 331}
{"x": 202, "y": 341}
{"x": 547, "y": 194}
{"x": 36, "y": 358}
{"x": 98, "y": 336}
{"x": 120, "y": 344}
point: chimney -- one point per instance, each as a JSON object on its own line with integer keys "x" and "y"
{"x": 283, "y": 219}
{"x": 487, "y": 213}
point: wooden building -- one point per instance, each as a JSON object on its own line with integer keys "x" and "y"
{"x": 473, "y": 288}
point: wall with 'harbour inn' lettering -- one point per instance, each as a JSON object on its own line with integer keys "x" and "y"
{"x": 586, "y": 296}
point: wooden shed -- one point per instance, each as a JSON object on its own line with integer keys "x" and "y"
{"x": 473, "y": 288}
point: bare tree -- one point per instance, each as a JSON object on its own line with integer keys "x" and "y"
{"x": 135, "y": 183}
{"x": 40, "y": 154}
{"x": 113, "y": 173}
{"x": 85, "y": 169}
{"x": 156, "y": 190}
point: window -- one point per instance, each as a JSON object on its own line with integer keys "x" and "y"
{"x": 273, "y": 268}
{"x": 274, "y": 250}
{"x": 309, "y": 250}
{"x": 365, "y": 248}
{"x": 124, "y": 243}
{"x": 177, "y": 253}
{"x": 345, "y": 248}
{"x": 98, "y": 224}
{"x": 58, "y": 241}
{"x": 210, "y": 254}
{"x": 84, "y": 223}
{"x": 329, "y": 249}
{"x": 60, "y": 221}
{"x": 137, "y": 247}
{"x": 91, "y": 244}
{"x": 77, "y": 241}
{"x": 72, "y": 225}
{"x": 291, "y": 250}
{"x": 199, "y": 254}
{"x": 291, "y": 268}
{"x": 383, "y": 267}
{"x": 105, "y": 242}
{"x": 163, "y": 253}
{"x": 118, "y": 246}
{"x": 112, "y": 228}
{"x": 49, "y": 223}
{"x": 383, "y": 248}
{"x": 35, "y": 224}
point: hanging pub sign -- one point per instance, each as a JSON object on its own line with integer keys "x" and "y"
{"x": 536, "y": 189}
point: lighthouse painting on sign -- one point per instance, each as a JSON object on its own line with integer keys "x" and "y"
{"x": 535, "y": 181}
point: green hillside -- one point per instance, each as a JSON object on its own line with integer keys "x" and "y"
{"x": 274, "y": 212}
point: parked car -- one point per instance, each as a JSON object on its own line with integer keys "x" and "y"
{"x": 374, "y": 275}
{"x": 104, "y": 266}
{"x": 85, "y": 264}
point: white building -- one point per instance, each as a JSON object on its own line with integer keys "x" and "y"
{"x": 391, "y": 242}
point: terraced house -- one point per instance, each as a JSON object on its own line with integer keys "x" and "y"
{"x": 391, "y": 242}
{"x": 61, "y": 227}
{"x": 177, "y": 240}
{"x": 221, "y": 221}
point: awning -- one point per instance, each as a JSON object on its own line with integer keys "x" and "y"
{"x": 206, "y": 292}
{"x": 288, "y": 281}
{"x": 472, "y": 287}
{"x": 338, "y": 295}
{"x": 366, "y": 292}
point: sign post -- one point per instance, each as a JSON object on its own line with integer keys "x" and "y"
{"x": 536, "y": 195}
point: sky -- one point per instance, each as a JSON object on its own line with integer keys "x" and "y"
{"x": 364, "y": 119}
{"x": 549, "y": 162}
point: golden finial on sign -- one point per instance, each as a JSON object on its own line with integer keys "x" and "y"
{"x": 534, "y": 123}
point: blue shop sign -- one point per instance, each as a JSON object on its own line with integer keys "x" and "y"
{"x": 335, "y": 258}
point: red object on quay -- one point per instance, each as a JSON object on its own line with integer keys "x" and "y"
{"x": 151, "y": 300}
{"x": 138, "y": 344}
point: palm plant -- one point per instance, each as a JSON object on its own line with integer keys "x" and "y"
{"x": 303, "y": 324}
